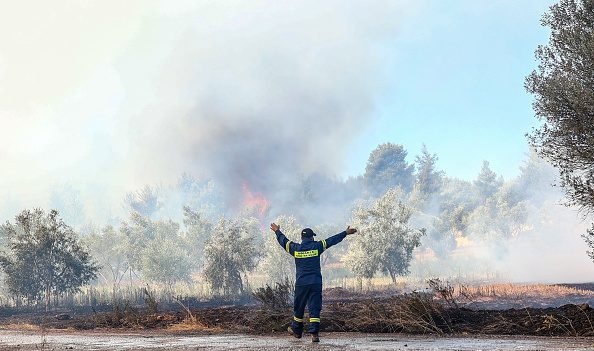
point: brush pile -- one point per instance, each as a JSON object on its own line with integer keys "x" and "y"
{"x": 419, "y": 314}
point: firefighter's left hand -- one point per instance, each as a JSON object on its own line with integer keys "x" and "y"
{"x": 274, "y": 227}
{"x": 350, "y": 230}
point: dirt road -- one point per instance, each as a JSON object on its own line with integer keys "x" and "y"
{"x": 26, "y": 340}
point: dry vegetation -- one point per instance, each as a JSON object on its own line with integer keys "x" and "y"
{"x": 443, "y": 309}
{"x": 518, "y": 291}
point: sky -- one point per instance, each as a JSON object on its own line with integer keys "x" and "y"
{"x": 456, "y": 83}
{"x": 109, "y": 96}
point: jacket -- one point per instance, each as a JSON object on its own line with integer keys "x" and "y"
{"x": 307, "y": 256}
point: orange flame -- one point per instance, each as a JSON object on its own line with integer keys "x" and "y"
{"x": 256, "y": 201}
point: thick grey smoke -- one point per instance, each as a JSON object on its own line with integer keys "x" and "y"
{"x": 109, "y": 96}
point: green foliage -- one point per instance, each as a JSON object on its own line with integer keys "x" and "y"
{"x": 563, "y": 87}
{"x": 156, "y": 249}
{"x": 108, "y": 248}
{"x": 429, "y": 179}
{"x": 387, "y": 168}
{"x": 144, "y": 201}
{"x": 536, "y": 175}
{"x": 500, "y": 217}
{"x": 137, "y": 232}
{"x": 386, "y": 241}
{"x": 457, "y": 200}
{"x": 229, "y": 253}
{"x": 198, "y": 231}
{"x": 44, "y": 256}
{"x": 487, "y": 182}
{"x": 165, "y": 260}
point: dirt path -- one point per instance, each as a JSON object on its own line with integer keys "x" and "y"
{"x": 26, "y": 340}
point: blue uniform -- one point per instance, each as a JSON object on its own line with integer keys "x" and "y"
{"x": 308, "y": 285}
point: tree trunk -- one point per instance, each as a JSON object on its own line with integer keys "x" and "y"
{"x": 47, "y": 297}
{"x": 392, "y": 276}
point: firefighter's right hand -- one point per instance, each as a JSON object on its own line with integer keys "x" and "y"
{"x": 274, "y": 227}
{"x": 350, "y": 230}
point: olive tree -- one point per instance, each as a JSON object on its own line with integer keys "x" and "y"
{"x": 277, "y": 264}
{"x": 165, "y": 260}
{"x": 228, "y": 254}
{"x": 108, "y": 247}
{"x": 198, "y": 231}
{"x": 156, "y": 249}
{"x": 44, "y": 257}
{"x": 386, "y": 241}
{"x": 563, "y": 87}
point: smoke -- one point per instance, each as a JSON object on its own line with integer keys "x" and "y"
{"x": 99, "y": 98}
{"x": 109, "y": 96}
{"x": 523, "y": 233}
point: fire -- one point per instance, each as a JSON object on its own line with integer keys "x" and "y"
{"x": 462, "y": 241}
{"x": 255, "y": 200}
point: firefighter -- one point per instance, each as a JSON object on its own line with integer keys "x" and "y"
{"x": 308, "y": 284}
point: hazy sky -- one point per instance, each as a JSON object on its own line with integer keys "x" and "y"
{"x": 110, "y": 95}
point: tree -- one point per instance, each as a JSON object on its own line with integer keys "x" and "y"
{"x": 277, "y": 264}
{"x": 487, "y": 182}
{"x": 228, "y": 254}
{"x": 165, "y": 260}
{"x": 386, "y": 241}
{"x": 144, "y": 201}
{"x": 44, "y": 257}
{"x": 107, "y": 246}
{"x": 387, "y": 168}
{"x": 429, "y": 179}
{"x": 563, "y": 87}
{"x": 137, "y": 232}
{"x": 537, "y": 180}
{"x": 457, "y": 200}
{"x": 502, "y": 216}
{"x": 198, "y": 231}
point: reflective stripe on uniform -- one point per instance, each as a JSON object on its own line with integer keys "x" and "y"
{"x": 306, "y": 254}
{"x": 314, "y": 320}
{"x": 300, "y": 320}
{"x": 287, "y": 246}
{"x": 324, "y": 244}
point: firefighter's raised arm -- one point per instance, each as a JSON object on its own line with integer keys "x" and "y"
{"x": 282, "y": 239}
{"x": 350, "y": 230}
{"x": 335, "y": 239}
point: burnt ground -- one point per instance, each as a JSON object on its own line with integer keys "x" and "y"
{"x": 413, "y": 313}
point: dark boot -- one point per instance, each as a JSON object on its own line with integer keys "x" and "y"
{"x": 292, "y": 332}
{"x": 315, "y": 337}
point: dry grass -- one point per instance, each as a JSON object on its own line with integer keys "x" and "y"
{"x": 519, "y": 291}
{"x": 20, "y": 326}
{"x": 411, "y": 313}
{"x": 194, "y": 326}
